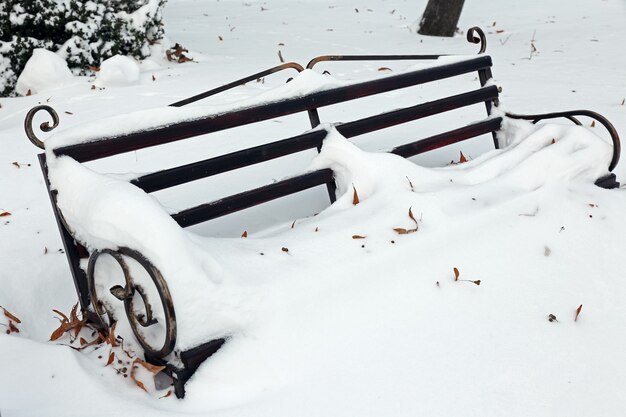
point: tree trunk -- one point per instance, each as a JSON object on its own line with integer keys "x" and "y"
{"x": 441, "y": 17}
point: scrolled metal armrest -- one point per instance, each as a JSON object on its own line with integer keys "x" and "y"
{"x": 571, "y": 116}
{"x": 212, "y": 92}
{"x": 45, "y": 126}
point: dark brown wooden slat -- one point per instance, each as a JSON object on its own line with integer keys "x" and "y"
{"x": 396, "y": 117}
{"x": 270, "y": 192}
{"x": 138, "y": 140}
{"x": 252, "y": 198}
{"x": 202, "y": 169}
{"x": 197, "y": 170}
{"x": 447, "y": 138}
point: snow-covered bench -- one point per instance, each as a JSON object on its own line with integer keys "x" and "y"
{"x": 146, "y": 243}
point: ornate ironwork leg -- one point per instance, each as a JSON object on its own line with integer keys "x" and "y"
{"x": 138, "y": 320}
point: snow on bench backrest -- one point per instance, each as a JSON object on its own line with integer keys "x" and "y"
{"x": 308, "y": 92}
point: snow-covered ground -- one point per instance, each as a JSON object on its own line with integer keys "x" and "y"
{"x": 343, "y": 326}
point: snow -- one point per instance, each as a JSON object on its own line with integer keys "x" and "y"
{"x": 106, "y": 212}
{"x": 336, "y": 325}
{"x": 43, "y": 71}
{"x": 118, "y": 70}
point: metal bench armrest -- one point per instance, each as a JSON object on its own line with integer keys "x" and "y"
{"x": 571, "y": 116}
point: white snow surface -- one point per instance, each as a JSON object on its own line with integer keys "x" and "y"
{"x": 335, "y": 325}
{"x": 118, "y": 70}
{"x": 106, "y": 213}
{"x": 43, "y": 71}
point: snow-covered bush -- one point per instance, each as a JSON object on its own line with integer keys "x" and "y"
{"x": 83, "y": 32}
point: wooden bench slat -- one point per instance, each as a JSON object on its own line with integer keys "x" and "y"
{"x": 293, "y": 185}
{"x": 448, "y": 138}
{"x": 186, "y": 173}
{"x": 104, "y": 147}
{"x": 252, "y": 198}
{"x": 197, "y": 170}
{"x": 407, "y": 114}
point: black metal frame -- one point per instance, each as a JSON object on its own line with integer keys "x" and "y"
{"x": 109, "y": 146}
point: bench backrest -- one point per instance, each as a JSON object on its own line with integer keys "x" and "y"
{"x": 486, "y": 96}
{"x": 109, "y": 146}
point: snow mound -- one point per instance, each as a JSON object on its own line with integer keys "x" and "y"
{"x": 118, "y": 70}
{"x": 44, "y": 70}
{"x": 105, "y": 212}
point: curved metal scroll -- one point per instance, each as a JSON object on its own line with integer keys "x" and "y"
{"x": 126, "y": 294}
{"x": 239, "y": 82}
{"x": 326, "y": 58}
{"x": 571, "y": 115}
{"x": 481, "y": 39}
{"x": 471, "y": 32}
{"x": 45, "y": 126}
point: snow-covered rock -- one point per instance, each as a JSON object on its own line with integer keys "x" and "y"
{"x": 44, "y": 70}
{"x": 118, "y": 70}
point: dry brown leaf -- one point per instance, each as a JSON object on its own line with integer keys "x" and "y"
{"x": 110, "y": 339}
{"x": 358, "y": 237}
{"x": 93, "y": 87}
{"x": 13, "y": 328}
{"x": 462, "y": 159}
{"x": 82, "y": 341}
{"x": 355, "y": 196}
{"x": 96, "y": 341}
{"x": 155, "y": 369}
{"x": 73, "y": 315}
{"x": 62, "y": 315}
{"x": 553, "y": 141}
{"x": 578, "y": 310}
{"x": 10, "y": 316}
{"x": 134, "y": 378}
{"x": 58, "y": 332}
{"x": 412, "y": 217}
{"x": 111, "y": 358}
{"x": 29, "y": 93}
{"x": 593, "y": 123}
{"x": 401, "y": 231}
{"x": 244, "y": 234}
{"x": 4, "y": 214}
{"x": 133, "y": 368}
{"x": 176, "y": 53}
{"x": 78, "y": 327}
{"x": 456, "y": 274}
{"x": 166, "y": 395}
{"x": 384, "y": 69}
